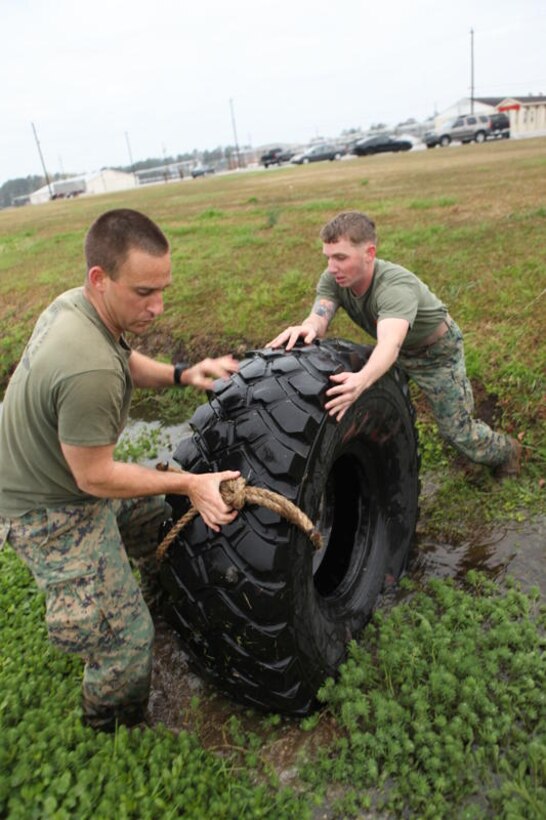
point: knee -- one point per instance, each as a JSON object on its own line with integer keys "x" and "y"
{"x": 457, "y": 434}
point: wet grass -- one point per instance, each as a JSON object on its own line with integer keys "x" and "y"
{"x": 471, "y": 221}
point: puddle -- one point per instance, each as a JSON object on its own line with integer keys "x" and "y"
{"x": 519, "y": 551}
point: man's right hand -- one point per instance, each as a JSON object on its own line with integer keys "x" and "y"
{"x": 202, "y": 374}
{"x": 290, "y": 336}
{"x": 204, "y": 494}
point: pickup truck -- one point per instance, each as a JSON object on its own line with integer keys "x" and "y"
{"x": 276, "y": 156}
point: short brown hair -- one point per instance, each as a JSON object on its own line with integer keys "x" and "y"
{"x": 115, "y": 233}
{"x": 352, "y": 225}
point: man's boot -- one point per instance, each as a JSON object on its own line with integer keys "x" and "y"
{"x": 106, "y": 718}
{"x": 512, "y": 465}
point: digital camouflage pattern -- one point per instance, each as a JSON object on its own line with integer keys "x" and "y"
{"x": 94, "y": 606}
{"x": 440, "y": 372}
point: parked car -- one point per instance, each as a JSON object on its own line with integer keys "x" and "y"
{"x": 201, "y": 171}
{"x": 317, "y": 153}
{"x": 276, "y": 156}
{"x": 470, "y": 128}
{"x": 431, "y": 139}
{"x": 381, "y": 144}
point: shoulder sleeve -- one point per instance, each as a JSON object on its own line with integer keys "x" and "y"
{"x": 327, "y": 288}
{"x": 89, "y": 408}
{"x": 398, "y": 299}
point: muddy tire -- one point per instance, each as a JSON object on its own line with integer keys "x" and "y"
{"x": 263, "y": 615}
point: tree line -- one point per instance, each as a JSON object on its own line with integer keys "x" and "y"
{"x": 23, "y": 186}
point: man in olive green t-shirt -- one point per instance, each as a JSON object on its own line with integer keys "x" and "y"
{"x": 69, "y": 510}
{"x": 412, "y": 327}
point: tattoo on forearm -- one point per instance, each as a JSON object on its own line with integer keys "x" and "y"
{"x": 324, "y": 309}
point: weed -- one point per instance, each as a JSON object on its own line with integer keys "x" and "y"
{"x": 211, "y": 213}
{"x": 141, "y": 445}
{"x": 272, "y": 217}
{"x": 425, "y": 204}
{"x": 53, "y": 766}
{"x": 442, "y": 707}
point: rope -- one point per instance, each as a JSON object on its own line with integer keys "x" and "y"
{"x": 236, "y": 493}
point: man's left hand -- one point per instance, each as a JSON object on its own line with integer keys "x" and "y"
{"x": 348, "y": 387}
{"x": 203, "y": 374}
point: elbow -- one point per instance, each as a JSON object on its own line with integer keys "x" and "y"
{"x": 92, "y": 485}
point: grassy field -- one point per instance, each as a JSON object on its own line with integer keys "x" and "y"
{"x": 441, "y": 711}
{"x": 470, "y": 220}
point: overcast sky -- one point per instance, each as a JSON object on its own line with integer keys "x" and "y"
{"x": 100, "y": 76}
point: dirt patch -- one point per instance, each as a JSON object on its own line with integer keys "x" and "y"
{"x": 182, "y": 700}
{"x": 196, "y": 349}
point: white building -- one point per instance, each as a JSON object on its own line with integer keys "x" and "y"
{"x": 98, "y": 182}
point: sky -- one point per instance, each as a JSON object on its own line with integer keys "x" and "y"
{"x": 109, "y": 81}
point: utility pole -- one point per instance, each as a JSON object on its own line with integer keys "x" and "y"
{"x": 235, "y": 133}
{"x": 129, "y": 150}
{"x": 42, "y": 161}
{"x": 471, "y": 70}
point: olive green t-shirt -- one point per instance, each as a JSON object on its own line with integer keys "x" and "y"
{"x": 395, "y": 293}
{"x": 72, "y": 385}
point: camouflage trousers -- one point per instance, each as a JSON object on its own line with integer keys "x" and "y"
{"x": 94, "y": 606}
{"x": 440, "y": 372}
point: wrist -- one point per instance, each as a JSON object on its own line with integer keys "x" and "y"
{"x": 179, "y": 369}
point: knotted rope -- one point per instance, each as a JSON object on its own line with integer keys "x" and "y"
{"x": 236, "y": 493}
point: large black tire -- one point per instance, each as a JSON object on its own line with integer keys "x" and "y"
{"x": 261, "y": 613}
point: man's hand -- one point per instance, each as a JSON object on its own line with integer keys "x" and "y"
{"x": 203, "y": 374}
{"x": 348, "y": 387}
{"x": 290, "y": 336}
{"x": 204, "y": 494}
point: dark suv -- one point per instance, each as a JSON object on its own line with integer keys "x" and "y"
{"x": 471, "y": 128}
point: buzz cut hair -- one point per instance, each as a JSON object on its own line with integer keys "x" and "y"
{"x": 352, "y": 225}
{"x": 115, "y": 233}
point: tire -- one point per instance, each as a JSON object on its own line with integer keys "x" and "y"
{"x": 480, "y": 136}
{"x": 445, "y": 140}
{"x": 263, "y": 615}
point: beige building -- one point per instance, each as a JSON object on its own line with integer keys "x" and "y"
{"x": 527, "y": 114}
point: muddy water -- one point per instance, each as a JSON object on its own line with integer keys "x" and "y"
{"x": 182, "y": 700}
